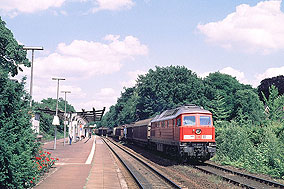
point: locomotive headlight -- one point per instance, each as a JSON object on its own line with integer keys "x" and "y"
{"x": 198, "y": 131}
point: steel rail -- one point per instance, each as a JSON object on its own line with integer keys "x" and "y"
{"x": 172, "y": 183}
{"x": 225, "y": 178}
{"x": 268, "y": 182}
{"x": 250, "y": 177}
{"x": 124, "y": 164}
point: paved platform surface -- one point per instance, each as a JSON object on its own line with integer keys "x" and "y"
{"x": 79, "y": 168}
{"x": 105, "y": 172}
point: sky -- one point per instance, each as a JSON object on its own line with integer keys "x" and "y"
{"x": 101, "y": 46}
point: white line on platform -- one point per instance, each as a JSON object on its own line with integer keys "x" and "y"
{"x": 91, "y": 155}
{"x": 69, "y": 163}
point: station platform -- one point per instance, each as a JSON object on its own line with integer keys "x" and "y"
{"x": 85, "y": 164}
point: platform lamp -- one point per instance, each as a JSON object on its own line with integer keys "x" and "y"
{"x": 31, "y": 83}
{"x": 65, "y": 120}
{"x": 55, "y": 121}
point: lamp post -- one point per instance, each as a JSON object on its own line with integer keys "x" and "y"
{"x": 65, "y": 116}
{"x": 56, "y": 119}
{"x": 33, "y": 49}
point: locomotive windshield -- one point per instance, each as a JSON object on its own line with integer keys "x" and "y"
{"x": 189, "y": 120}
{"x": 205, "y": 120}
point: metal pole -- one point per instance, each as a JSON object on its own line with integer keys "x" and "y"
{"x": 56, "y": 112}
{"x": 64, "y": 121}
{"x": 65, "y": 116}
{"x": 32, "y": 68}
{"x": 31, "y": 84}
{"x": 57, "y": 97}
{"x": 74, "y": 129}
{"x": 70, "y": 128}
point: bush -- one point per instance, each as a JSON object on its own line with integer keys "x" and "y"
{"x": 257, "y": 149}
{"x": 17, "y": 144}
{"x": 269, "y": 157}
{"x": 233, "y": 144}
{"x": 44, "y": 161}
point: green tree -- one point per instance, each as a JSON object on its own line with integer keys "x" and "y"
{"x": 123, "y": 111}
{"x": 248, "y": 107}
{"x": 17, "y": 144}
{"x": 109, "y": 119}
{"x": 226, "y": 86}
{"x": 218, "y": 108}
{"x": 127, "y": 103}
{"x": 265, "y": 84}
{"x": 167, "y": 87}
{"x": 158, "y": 90}
{"x": 274, "y": 104}
{"x": 12, "y": 55}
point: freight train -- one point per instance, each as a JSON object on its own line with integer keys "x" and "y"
{"x": 186, "y": 132}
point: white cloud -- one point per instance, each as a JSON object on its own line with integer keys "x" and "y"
{"x": 204, "y": 74}
{"x": 60, "y": 12}
{"x": 14, "y": 7}
{"x": 235, "y": 73}
{"x": 106, "y": 97}
{"x": 106, "y": 92}
{"x": 112, "y": 5}
{"x": 79, "y": 61}
{"x": 252, "y": 29}
{"x": 133, "y": 76}
{"x": 271, "y": 72}
{"x": 240, "y": 76}
{"x": 84, "y": 59}
{"x": 63, "y": 12}
{"x": 48, "y": 90}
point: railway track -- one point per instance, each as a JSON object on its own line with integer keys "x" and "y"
{"x": 144, "y": 174}
{"x": 238, "y": 178}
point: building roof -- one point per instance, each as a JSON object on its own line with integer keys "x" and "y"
{"x": 93, "y": 115}
{"x": 86, "y": 116}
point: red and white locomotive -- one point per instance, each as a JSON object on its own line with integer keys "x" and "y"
{"x": 186, "y": 132}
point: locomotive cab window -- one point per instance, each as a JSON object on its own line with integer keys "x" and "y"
{"x": 189, "y": 120}
{"x": 205, "y": 120}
